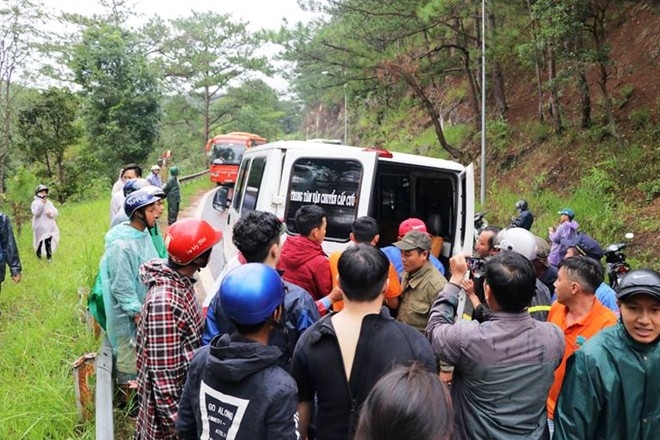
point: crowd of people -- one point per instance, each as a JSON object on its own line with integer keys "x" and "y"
{"x": 373, "y": 343}
{"x": 522, "y": 339}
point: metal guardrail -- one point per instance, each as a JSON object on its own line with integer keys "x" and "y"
{"x": 105, "y": 428}
{"x": 194, "y": 176}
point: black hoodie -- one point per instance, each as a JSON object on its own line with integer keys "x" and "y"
{"x": 235, "y": 390}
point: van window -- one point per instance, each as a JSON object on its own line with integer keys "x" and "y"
{"x": 253, "y": 184}
{"x": 239, "y": 188}
{"x": 393, "y": 197}
{"x": 333, "y": 184}
{"x": 247, "y": 185}
{"x": 403, "y": 191}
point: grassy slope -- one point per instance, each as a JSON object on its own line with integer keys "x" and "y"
{"x": 42, "y": 328}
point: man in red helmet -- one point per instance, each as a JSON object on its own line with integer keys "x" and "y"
{"x": 171, "y": 325}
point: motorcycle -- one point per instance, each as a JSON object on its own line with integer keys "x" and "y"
{"x": 615, "y": 261}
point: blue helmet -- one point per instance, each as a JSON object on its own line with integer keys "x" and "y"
{"x": 142, "y": 197}
{"x": 250, "y": 293}
{"x": 134, "y": 184}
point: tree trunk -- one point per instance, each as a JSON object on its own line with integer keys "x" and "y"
{"x": 539, "y": 91}
{"x": 498, "y": 89}
{"x": 462, "y": 42}
{"x": 6, "y": 126}
{"x": 433, "y": 113}
{"x": 474, "y": 88}
{"x": 497, "y": 74}
{"x": 537, "y": 67}
{"x": 585, "y": 101}
{"x": 599, "y": 33}
{"x": 607, "y": 102}
{"x": 555, "y": 111}
{"x": 207, "y": 117}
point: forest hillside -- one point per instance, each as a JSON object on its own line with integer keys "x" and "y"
{"x": 606, "y": 167}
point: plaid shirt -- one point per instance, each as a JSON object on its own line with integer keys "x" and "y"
{"x": 170, "y": 330}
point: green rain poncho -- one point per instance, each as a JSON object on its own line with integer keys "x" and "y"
{"x": 126, "y": 249}
{"x": 611, "y": 390}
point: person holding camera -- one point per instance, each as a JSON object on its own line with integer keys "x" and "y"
{"x": 523, "y": 242}
{"x": 484, "y": 248}
{"x": 504, "y": 367}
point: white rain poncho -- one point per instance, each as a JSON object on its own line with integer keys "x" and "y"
{"x": 126, "y": 249}
{"x": 116, "y": 203}
{"x": 43, "y": 224}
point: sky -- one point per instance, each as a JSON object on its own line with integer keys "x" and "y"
{"x": 267, "y": 14}
{"x": 261, "y": 13}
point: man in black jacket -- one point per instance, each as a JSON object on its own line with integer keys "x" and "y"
{"x": 341, "y": 356}
{"x": 235, "y": 388}
{"x": 8, "y": 251}
{"x": 525, "y": 217}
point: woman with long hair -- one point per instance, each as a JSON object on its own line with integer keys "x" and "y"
{"x": 408, "y": 403}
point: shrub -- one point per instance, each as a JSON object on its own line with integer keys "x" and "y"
{"x": 640, "y": 118}
{"x": 498, "y": 134}
{"x": 650, "y": 188}
{"x": 540, "y": 131}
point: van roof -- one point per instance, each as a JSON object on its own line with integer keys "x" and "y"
{"x": 410, "y": 159}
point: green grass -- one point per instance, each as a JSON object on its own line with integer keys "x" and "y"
{"x": 598, "y": 211}
{"x": 42, "y": 327}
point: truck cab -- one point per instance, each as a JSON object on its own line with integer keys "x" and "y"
{"x": 349, "y": 182}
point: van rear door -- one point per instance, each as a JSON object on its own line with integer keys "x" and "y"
{"x": 249, "y": 193}
{"x": 465, "y": 224}
{"x": 340, "y": 182}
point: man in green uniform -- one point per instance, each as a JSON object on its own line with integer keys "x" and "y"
{"x": 173, "y": 193}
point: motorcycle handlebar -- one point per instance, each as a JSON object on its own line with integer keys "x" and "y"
{"x": 615, "y": 247}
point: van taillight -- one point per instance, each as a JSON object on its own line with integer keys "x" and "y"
{"x": 380, "y": 151}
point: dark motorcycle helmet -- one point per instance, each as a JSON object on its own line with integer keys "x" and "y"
{"x": 639, "y": 281}
{"x": 521, "y": 205}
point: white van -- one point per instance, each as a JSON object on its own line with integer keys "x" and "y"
{"x": 349, "y": 182}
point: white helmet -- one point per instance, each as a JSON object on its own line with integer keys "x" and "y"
{"x": 518, "y": 240}
{"x": 155, "y": 168}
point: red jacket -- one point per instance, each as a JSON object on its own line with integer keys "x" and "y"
{"x": 306, "y": 265}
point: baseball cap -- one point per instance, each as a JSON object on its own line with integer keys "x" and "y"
{"x": 412, "y": 224}
{"x": 155, "y": 167}
{"x": 414, "y": 240}
{"x": 587, "y": 246}
{"x": 567, "y": 211}
{"x": 639, "y": 281}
